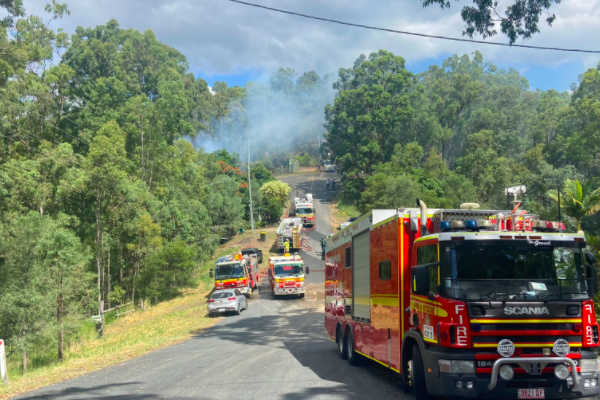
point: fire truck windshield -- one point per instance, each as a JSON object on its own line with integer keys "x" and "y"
{"x": 229, "y": 271}
{"x": 506, "y": 271}
{"x": 290, "y": 269}
{"x": 304, "y": 210}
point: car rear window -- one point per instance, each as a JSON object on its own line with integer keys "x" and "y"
{"x": 221, "y": 295}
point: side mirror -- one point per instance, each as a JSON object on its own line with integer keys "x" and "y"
{"x": 307, "y": 270}
{"x": 590, "y": 258}
{"x": 338, "y": 228}
{"x": 420, "y": 279}
{"x": 592, "y": 277}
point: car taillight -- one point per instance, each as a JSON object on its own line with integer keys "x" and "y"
{"x": 231, "y": 298}
{"x": 211, "y": 301}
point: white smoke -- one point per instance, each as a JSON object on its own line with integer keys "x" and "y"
{"x": 277, "y": 119}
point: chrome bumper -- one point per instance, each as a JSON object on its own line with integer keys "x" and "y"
{"x": 543, "y": 360}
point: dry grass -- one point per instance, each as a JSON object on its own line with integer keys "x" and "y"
{"x": 141, "y": 332}
{"x": 340, "y": 211}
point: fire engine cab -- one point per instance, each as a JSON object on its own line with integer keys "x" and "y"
{"x": 287, "y": 275}
{"x": 236, "y": 272}
{"x": 466, "y": 303}
{"x": 303, "y": 208}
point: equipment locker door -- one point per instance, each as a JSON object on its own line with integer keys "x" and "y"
{"x": 361, "y": 276}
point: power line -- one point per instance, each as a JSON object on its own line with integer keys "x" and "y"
{"x": 455, "y": 39}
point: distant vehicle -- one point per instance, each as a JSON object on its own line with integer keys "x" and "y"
{"x": 303, "y": 208}
{"x": 222, "y": 301}
{"x": 345, "y": 224}
{"x": 290, "y": 230}
{"x": 253, "y": 252}
{"x": 328, "y": 166}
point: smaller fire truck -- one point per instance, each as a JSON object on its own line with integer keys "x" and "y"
{"x": 303, "y": 208}
{"x": 290, "y": 230}
{"x": 286, "y": 275}
{"x": 236, "y": 272}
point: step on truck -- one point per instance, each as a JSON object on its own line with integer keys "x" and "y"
{"x": 466, "y": 303}
{"x": 235, "y": 272}
{"x": 304, "y": 209}
{"x": 287, "y": 275}
{"x": 290, "y": 229}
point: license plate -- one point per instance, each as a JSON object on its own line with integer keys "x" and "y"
{"x": 531, "y": 394}
{"x": 222, "y": 309}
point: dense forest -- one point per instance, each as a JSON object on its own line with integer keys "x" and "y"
{"x": 102, "y": 200}
{"x": 463, "y": 132}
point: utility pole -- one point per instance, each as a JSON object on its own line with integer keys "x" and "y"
{"x": 250, "y": 186}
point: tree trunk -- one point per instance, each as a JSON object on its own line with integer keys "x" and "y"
{"x": 98, "y": 254}
{"x": 142, "y": 138}
{"x": 108, "y": 288}
{"x": 103, "y": 290}
{"x": 59, "y": 318}
{"x": 24, "y": 362}
{"x": 120, "y": 264}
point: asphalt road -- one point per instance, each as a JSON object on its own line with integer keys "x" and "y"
{"x": 278, "y": 349}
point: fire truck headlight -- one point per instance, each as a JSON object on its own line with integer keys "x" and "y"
{"x": 561, "y": 371}
{"x": 506, "y": 372}
{"x": 456, "y": 366}
{"x": 589, "y": 365}
{"x": 463, "y": 367}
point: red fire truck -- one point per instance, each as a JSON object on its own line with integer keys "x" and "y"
{"x": 236, "y": 271}
{"x": 466, "y": 303}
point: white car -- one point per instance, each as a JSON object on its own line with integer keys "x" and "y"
{"x": 228, "y": 300}
{"x": 329, "y": 167}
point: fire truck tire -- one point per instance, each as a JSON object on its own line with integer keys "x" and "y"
{"x": 354, "y": 358}
{"x": 341, "y": 343}
{"x": 418, "y": 375}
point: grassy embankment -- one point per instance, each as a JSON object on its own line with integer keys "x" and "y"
{"x": 340, "y": 209}
{"x": 137, "y": 333}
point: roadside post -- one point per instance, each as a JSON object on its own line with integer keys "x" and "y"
{"x": 3, "y": 368}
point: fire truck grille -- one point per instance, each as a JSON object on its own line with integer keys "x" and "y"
{"x": 526, "y": 327}
{"x": 524, "y": 341}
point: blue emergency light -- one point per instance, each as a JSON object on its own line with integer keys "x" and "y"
{"x": 471, "y": 225}
{"x": 445, "y": 226}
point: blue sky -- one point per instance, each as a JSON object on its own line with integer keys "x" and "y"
{"x": 539, "y": 76}
{"x": 232, "y": 42}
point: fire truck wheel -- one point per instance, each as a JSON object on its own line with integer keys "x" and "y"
{"x": 341, "y": 343}
{"x": 353, "y": 357}
{"x": 417, "y": 375}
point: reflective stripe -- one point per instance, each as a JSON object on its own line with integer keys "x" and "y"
{"x": 377, "y": 361}
{"x": 384, "y": 301}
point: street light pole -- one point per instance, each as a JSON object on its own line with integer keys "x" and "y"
{"x": 250, "y": 186}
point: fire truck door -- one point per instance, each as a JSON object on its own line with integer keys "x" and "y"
{"x": 426, "y": 307}
{"x": 361, "y": 279}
